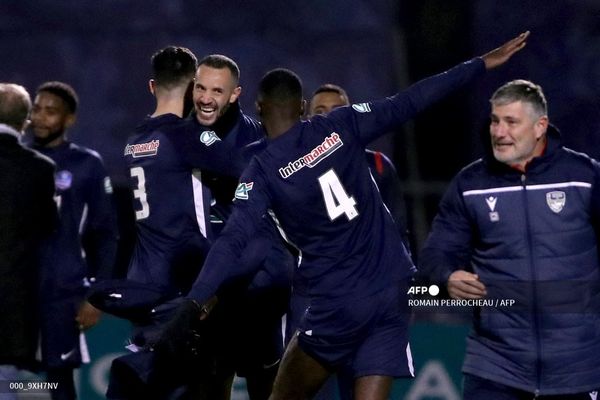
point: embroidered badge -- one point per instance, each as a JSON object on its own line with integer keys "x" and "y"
{"x": 209, "y": 137}
{"x": 63, "y": 180}
{"x": 242, "y": 190}
{"x": 556, "y": 200}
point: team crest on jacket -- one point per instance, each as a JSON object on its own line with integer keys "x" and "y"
{"x": 362, "y": 107}
{"x": 63, "y": 179}
{"x": 242, "y": 190}
{"x": 209, "y": 137}
{"x": 556, "y": 200}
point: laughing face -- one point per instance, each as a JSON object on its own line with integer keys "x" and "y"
{"x": 517, "y": 134}
{"x": 214, "y": 90}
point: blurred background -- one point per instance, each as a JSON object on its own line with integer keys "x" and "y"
{"x": 372, "y": 48}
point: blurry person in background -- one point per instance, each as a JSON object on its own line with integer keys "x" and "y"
{"x": 27, "y": 216}
{"x": 83, "y": 249}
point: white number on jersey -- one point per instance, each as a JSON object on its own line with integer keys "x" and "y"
{"x": 336, "y": 199}
{"x": 140, "y": 192}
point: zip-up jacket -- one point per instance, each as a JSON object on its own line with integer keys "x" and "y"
{"x": 531, "y": 237}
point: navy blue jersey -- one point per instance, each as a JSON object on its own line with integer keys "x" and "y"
{"x": 166, "y": 157}
{"x": 315, "y": 180}
{"x": 85, "y": 243}
{"x": 236, "y": 130}
{"x": 390, "y": 187}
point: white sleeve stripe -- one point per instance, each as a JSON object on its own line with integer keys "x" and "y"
{"x": 557, "y": 185}
{"x": 199, "y": 201}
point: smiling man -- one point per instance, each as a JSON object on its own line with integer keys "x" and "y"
{"x": 522, "y": 224}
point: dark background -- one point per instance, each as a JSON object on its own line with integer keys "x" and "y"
{"x": 371, "y": 47}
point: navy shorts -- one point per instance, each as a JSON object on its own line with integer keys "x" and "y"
{"x": 367, "y": 334}
{"x": 60, "y": 333}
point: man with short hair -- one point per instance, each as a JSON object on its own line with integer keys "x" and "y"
{"x": 83, "y": 249}
{"x": 191, "y": 155}
{"x": 521, "y": 226}
{"x": 27, "y": 216}
{"x": 313, "y": 177}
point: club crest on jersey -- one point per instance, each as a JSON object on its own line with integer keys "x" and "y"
{"x": 362, "y": 107}
{"x": 142, "y": 149}
{"x": 242, "y": 190}
{"x": 63, "y": 179}
{"x": 316, "y": 155}
{"x": 556, "y": 200}
{"x": 209, "y": 137}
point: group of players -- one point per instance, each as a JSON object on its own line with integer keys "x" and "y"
{"x": 239, "y": 222}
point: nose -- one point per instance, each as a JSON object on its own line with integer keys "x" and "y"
{"x": 498, "y": 129}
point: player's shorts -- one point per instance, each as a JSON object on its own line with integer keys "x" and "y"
{"x": 61, "y": 342}
{"x": 367, "y": 334}
{"x": 250, "y": 337}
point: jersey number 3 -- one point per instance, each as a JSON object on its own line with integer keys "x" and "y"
{"x": 140, "y": 192}
{"x": 336, "y": 199}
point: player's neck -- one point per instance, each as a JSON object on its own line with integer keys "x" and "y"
{"x": 276, "y": 128}
{"x": 172, "y": 106}
{"x": 169, "y": 102}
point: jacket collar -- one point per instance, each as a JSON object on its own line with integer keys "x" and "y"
{"x": 225, "y": 123}
{"x": 553, "y": 144}
{"x": 9, "y": 130}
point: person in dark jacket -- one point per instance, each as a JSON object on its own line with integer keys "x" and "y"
{"x": 27, "y": 215}
{"x": 520, "y": 227}
{"x": 84, "y": 247}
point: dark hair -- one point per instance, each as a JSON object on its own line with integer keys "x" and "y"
{"x": 521, "y": 90}
{"x": 62, "y": 90}
{"x": 219, "y": 61}
{"x": 280, "y": 85}
{"x": 15, "y": 105}
{"x": 173, "y": 65}
{"x": 331, "y": 88}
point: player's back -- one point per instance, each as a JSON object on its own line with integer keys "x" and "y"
{"x": 327, "y": 204}
{"x": 164, "y": 156}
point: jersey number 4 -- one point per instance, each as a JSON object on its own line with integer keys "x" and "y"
{"x": 336, "y": 199}
{"x": 140, "y": 192}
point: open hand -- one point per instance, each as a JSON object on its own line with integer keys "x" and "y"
{"x": 503, "y": 53}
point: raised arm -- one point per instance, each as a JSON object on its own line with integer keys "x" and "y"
{"x": 502, "y": 54}
{"x": 368, "y": 121}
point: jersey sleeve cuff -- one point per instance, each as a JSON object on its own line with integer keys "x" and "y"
{"x": 201, "y": 292}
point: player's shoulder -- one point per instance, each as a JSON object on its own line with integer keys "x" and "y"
{"x": 84, "y": 153}
{"x": 162, "y": 123}
{"x": 39, "y": 159}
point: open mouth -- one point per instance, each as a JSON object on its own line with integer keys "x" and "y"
{"x": 207, "y": 112}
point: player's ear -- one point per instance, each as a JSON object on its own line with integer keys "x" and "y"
{"x": 152, "y": 85}
{"x": 235, "y": 94}
{"x": 303, "y": 107}
{"x": 71, "y": 118}
{"x": 258, "y": 108}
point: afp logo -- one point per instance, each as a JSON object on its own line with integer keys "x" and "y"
{"x": 209, "y": 137}
{"x": 433, "y": 290}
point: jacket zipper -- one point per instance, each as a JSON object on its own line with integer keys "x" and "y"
{"x": 536, "y": 321}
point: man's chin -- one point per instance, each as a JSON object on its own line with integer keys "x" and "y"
{"x": 206, "y": 121}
